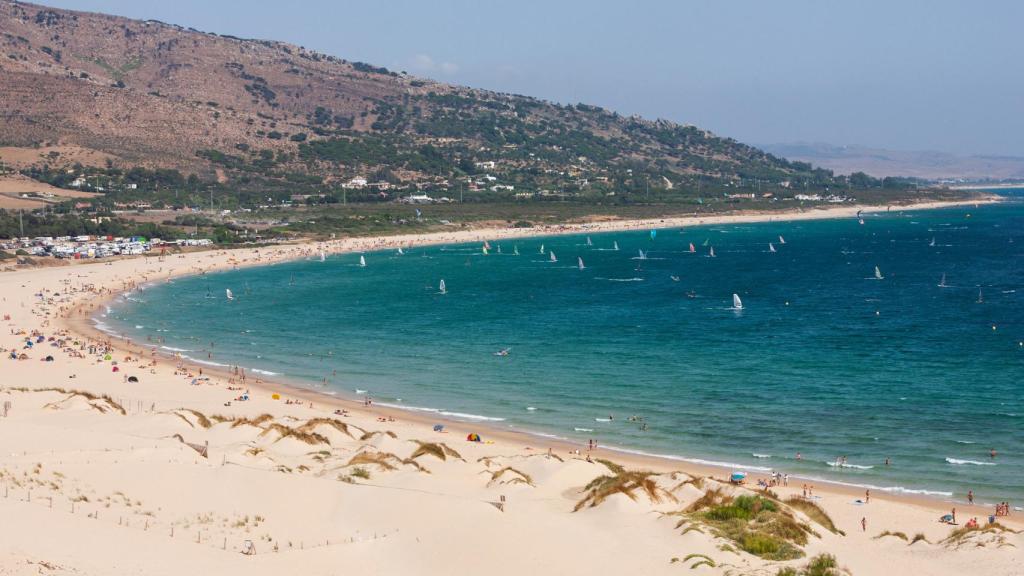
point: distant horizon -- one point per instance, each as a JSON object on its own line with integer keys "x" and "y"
{"x": 915, "y": 77}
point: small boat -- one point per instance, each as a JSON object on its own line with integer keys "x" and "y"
{"x": 692, "y": 248}
{"x": 771, "y": 247}
{"x": 674, "y": 278}
{"x": 781, "y": 239}
{"x": 503, "y": 352}
{"x": 441, "y": 288}
{"x": 942, "y": 283}
{"x": 362, "y": 261}
{"x": 579, "y": 263}
{"x": 737, "y": 304}
{"x": 615, "y": 245}
{"x": 552, "y": 258}
{"x": 878, "y": 274}
{"x": 227, "y": 292}
{"x": 691, "y": 294}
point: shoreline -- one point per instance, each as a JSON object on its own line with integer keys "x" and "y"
{"x": 935, "y": 499}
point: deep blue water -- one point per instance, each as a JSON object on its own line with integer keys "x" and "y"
{"x": 823, "y": 359}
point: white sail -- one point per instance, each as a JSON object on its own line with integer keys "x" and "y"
{"x": 932, "y": 243}
{"x": 552, "y": 257}
{"x": 878, "y": 274}
{"x": 589, "y": 243}
{"x": 781, "y": 239}
{"x": 615, "y": 245}
{"x": 711, "y": 252}
{"x": 515, "y": 249}
{"x": 980, "y": 297}
{"x": 642, "y": 256}
{"x": 942, "y": 283}
{"x": 736, "y": 302}
{"x": 541, "y": 248}
{"x": 442, "y": 288}
{"x": 227, "y": 292}
{"x": 322, "y": 256}
{"x": 771, "y": 247}
{"x": 400, "y": 251}
{"x": 579, "y": 262}
{"x": 362, "y": 260}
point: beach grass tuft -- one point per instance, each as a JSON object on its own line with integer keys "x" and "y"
{"x": 757, "y": 524}
{"x": 201, "y": 418}
{"x": 437, "y": 449}
{"x": 519, "y": 477}
{"x": 338, "y": 425}
{"x": 622, "y": 481}
{"x": 919, "y": 537}
{"x": 820, "y": 565}
{"x": 370, "y": 435}
{"x": 283, "y": 432}
{"x": 815, "y": 513}
{"x": 887, "y": 533}
{"x": 257, "y": 422}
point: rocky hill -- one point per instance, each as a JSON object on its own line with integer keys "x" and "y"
{"x": 156, "y": 95}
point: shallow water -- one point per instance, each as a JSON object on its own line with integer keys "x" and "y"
{"x": 823, "y": 359}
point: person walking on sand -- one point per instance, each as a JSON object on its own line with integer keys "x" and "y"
{"x": 864, "y": 524}
{"x": 970, "y": 496}
{"x": 867, "y": 496}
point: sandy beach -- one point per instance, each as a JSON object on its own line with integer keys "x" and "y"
{"x": 119, "y": 460}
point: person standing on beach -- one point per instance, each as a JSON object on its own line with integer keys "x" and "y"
{"x": 867, "y": 496}
{"x": 864, "y": 524}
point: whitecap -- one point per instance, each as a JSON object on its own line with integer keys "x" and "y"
{"x": 583, "y": 429}
{"x": 466, "y": 416}
{"x": 852, "y": 466}
{"x": 756, "y": 455}
{"x": 959, "y": 462}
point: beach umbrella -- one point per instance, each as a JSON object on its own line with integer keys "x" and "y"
{"x": 133, "y": 379}
{"x": 107, "y": 357}
{"x": 473, "y": 437}
{"x": 438, "y": 427}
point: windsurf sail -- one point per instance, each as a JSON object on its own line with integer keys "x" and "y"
{"x": 771, "y": 247}
{"x": 442, "y": 288}
{"x": 579, "y": 262}
{"x": 362, "y": 260}
{"x": 878, "y": 274}
{"x": 737, "y": 304}
{"x": 227, "y": 292}
{"x": 552, "y": 257}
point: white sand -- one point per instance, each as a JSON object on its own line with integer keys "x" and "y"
{"x": 131, "y": 482}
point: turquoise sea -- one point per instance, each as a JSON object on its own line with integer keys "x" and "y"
{"x": 823, "y": 359}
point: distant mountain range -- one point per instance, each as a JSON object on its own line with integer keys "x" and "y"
{"x": 917, "y": 164}
{"x": 245, "y": 112}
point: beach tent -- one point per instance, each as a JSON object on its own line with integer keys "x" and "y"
{"x": 115, "y": 369}
{"x": 133, "y": 379}
{"x": 738, "y": 477}
{"x": 473, "y": 437}
{"x": 48, "y": 359}
{"x": 438, "y": 427}
{"x": 107, "y": 357}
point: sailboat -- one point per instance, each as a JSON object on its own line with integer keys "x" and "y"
{"x": 706, "y": 242}
{"x": 615, "y": 245}
{"x": 878, "y": 274}
{"x": 579, "y": 262}
{"x": 692, "y": 248}
{"x": 552, "y": 257}
{"x": 227, "y": 291}
{"x": 711, "y": 252}
{"x": 515, "y": 249}
{"x": 589, "y": 243}
{"x": 400, "y": 251}
{"x": 442, "y": 288}
{"x": 362, "y": 261}
{"x": 932, "y": 243}
{"x": 771, "y": 247}
{"x": 643, "y": 255}
{"x": 981, "y": 299}
{"x": 541, "y": 248}
{"x": 737, "y": 304}
{"x": 781, "y": 239}
{"x": 942, "y": 283}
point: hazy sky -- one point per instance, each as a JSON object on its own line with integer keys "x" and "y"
{"x": 908, "y": 74}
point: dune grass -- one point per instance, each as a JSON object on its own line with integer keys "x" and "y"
{"x": 201, "y": 418}
{"x": 338, "y": 425}
{"x": 91, "y": 397}
{"x": 370, "y": 435}
{"x": 385, "y": 460}
{"x": 757, "y": 524}
{"x": 283, "y": 432}
{"x": 439, "y": 450}
{"x": 815, "y": 513}
{"x": 820, "y": 565}
{"x": 888, "y": 533}
{"x": 696, "y": 481}
{"x": 519, "y": 478}
{"x": 996, "y": 534}
{"x": 360, "y": 472}
{"x": 257, "y": 422}
{"x": 919, "y": 537}
{"x": 622, "y": 481}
